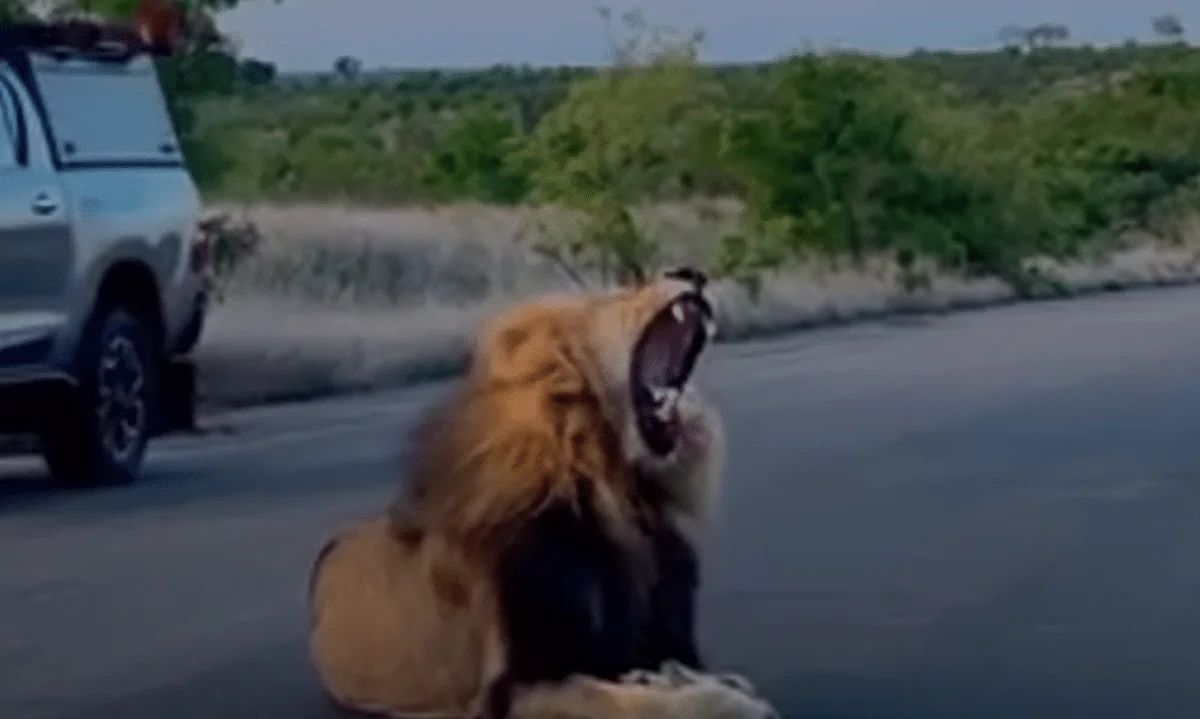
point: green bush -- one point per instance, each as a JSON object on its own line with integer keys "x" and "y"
{"x": 835, "y": 163}
{"x": 974, "y": 160}
{"x": 471, "y": 158}
{"x": 633, "y": 133}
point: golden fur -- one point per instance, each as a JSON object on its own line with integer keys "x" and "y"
{"x": 547, "y": 399}
{"x": 404, "y": 618}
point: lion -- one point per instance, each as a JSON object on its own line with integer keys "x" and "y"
{"x": 541, "y": 560}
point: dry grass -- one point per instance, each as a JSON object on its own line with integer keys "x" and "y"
{"x": 342, "y": 299}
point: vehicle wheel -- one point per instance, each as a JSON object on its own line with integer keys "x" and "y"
{"x": 100, "y": 437}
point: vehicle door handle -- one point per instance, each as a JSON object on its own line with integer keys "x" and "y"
{"x": 43, "y": 204}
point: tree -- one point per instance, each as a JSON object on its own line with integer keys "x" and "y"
{"x": 1013, "y": 35}
{"x": 256, "y": 72}
{"x": 1034, "y": 36}
{"x": 618, "y": 138}
{"x": 1169, "y": 27}
{"x": 841, "y": 161}
{"x": 470, "y": 158}
{"x": 1047, "y": 34}
{"x": 14, "y": 10}
{"x": 200, "y": 26}
{"x": 205, "y": 65}
{"x": 347, "y": 67}
{"x": 113, "y": 9}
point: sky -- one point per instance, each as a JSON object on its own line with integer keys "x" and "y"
{"x": 307, "y": 35}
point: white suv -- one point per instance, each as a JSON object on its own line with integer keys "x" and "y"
{"x": 103, "y": 270}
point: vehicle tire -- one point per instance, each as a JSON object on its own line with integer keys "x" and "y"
{"x": 100, "y": 437}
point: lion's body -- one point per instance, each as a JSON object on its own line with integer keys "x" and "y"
{"x": 538, "y": 552}
{"x": 393, "y": 630}
{"x": 392, "y": 638}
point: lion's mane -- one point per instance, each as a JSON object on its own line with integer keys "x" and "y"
{"x": 405, "y": 615}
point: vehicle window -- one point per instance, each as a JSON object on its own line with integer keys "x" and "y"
{"x": 107, "y": 114}
{"x": 9, "y": 127}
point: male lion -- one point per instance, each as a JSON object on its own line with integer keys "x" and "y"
{"x": 541, "y": 562}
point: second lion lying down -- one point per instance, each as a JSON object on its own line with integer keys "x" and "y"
{"x": 541, "y": 561}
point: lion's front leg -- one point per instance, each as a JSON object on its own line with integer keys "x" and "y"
{"x": 670, "y": 634}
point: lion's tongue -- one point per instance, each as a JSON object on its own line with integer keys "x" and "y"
{"x": 663, "y": 353}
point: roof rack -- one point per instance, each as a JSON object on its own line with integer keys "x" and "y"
{"x": 156, "y": 31}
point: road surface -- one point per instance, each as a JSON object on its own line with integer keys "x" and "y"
{"x": 985, "y": 515}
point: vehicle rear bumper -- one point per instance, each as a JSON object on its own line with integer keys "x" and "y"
{"x": 177, "y": 396}
{"x": 189, "y": 334}
{"x": 28, "y": 400}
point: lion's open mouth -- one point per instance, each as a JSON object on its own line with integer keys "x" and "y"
{"x": 663, "y": 361}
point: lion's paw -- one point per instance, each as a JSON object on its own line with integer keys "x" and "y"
{"x": 736, "y": 681}
{"x": 670, "y": 674}
{"x": 715, "y": 699}
{"x": 646, "y": 677}
{"x": 680, "y": 675}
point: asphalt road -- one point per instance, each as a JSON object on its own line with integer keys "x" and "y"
{"x": 986, "y": 515}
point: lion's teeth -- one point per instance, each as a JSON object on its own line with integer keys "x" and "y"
{"x": 677, "y": 312}
{"x": 666, "y": 405}
{"x": 665, "y": 400}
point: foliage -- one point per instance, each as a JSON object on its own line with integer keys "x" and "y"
{"x": 14, "y": 10}
{"x": 231, "y": 242}
{"x": 976, "y": 160}
{"x": 347, "y": 67}
{"x": 206, "y": 66}
{"x": 631, "y": 133}
{"x": 471, "y": 158}
{"x": 1111, "y": 158}
{"x": 1169, "y": 27}
{"x": 839, "y": 162}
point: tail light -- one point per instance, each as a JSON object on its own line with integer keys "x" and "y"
{"x": 200, "y": 260}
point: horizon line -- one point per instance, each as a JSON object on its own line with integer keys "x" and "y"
{"x": 833, "y": 49}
